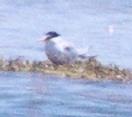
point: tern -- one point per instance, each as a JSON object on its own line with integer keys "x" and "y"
{"x": 58, "y": 50}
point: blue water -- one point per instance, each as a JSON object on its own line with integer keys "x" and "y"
{"x": 39, "y": 95}
{"x": 103, "y": 26}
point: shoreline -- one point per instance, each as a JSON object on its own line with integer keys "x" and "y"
{"x": 90, "y": 69}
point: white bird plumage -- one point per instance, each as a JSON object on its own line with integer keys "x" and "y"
{"x": 60, "y": 51}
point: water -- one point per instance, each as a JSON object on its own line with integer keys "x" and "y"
{"x": 38, "y": 95}
{"x": 103, "y": 26}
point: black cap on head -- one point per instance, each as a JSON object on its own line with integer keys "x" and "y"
{"x": 52, "y": 34}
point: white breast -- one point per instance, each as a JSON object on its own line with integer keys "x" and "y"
{"x": 56, "y": 51}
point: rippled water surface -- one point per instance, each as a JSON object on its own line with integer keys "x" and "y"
{"x": 38, "y": 95}
{"x": 104, "y": 26}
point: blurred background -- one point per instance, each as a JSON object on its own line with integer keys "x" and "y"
{"x": 103, "y": 26}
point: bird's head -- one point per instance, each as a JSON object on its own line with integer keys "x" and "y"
{"x": 50, "y": 35}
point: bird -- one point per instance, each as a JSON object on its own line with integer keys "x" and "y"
{"x": 58, "y": 50}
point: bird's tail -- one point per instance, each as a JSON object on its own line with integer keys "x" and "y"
{"x": 84, "y": 54}
{"x": 86, "y": 57}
